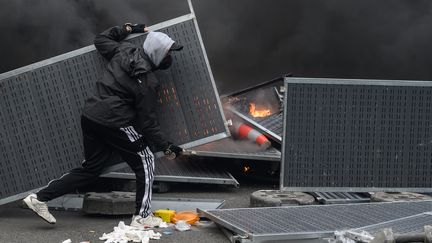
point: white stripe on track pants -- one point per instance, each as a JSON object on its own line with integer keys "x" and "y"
{"x": 100, "y": 144}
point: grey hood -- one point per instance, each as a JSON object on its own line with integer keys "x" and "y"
{"x": 156, "y": 46}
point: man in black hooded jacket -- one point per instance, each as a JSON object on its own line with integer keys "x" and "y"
{"x": 120, "y": 118}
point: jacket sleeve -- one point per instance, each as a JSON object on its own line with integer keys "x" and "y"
{"x": 108, "y": 41}
{"x": 146, "y": 102}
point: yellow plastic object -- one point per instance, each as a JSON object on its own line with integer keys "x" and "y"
{"x": 165, "y": 214}
{"x": 188, "y": 216}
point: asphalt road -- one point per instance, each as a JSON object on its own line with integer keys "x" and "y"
{"x": 18, "y": 225}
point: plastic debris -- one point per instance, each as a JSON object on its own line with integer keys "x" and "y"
{"x": 167, "y": 232}
{"x": 123, "y": 234}
{"x": 181, "y": 225}
{"x": 67, "y": 241}
{"x": 163, "y": 225}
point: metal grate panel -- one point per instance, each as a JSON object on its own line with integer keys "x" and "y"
{"x": 340, "y": 197}
{"x": 228, "y": 148}
{"x": 357, "y": 135}
{"x": 311, "y": 221}
{"x": 40, "y": 134}
{"x": 407, "y": 225}
{"x": 182, "y": 169}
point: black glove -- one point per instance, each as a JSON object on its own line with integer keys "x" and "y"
{"x": 136, "y": 28}
{"x": 172, "y": 151}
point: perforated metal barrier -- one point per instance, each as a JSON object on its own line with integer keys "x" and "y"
{"x": 40, "y": 108}
{"x": 357, "y": 135}
{"x": 407, "y": 225}
{"x": 228, "y": 148}
{"x": 307, "y": 222}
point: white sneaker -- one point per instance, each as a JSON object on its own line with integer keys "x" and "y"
{"x": 147, "y": 222}
{"x": 40, "y": 208}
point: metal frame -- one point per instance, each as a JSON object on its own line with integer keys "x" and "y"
{"x": 390, "y": 222}
{"x": 60, "y": 202}
{"x": 291, "y": 80}
{"x": 186, "y": 179}
{"x": 208, "y": 64}
{"x": 347, "y": 198}
{"x": 62, "y": 57}
{"x": 246, "y": 236}
{"x": 164, "y": 24}
{"x": 240, "y": 156}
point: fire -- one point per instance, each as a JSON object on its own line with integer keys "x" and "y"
{"x": 258, "y": 113}
{"x": 246, "y": 169}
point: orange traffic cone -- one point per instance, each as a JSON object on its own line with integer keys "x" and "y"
{"x": 245, "y": 131}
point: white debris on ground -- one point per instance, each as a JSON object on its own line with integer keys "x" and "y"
{"x": 123, "y": 234}
{"x": 348, "y": 236}
{"x": 181, "y": 225}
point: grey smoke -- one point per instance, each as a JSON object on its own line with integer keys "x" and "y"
{"x": 247, "y": 41}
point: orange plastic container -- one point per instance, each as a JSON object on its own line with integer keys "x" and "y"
{"x": 188, "y": 216}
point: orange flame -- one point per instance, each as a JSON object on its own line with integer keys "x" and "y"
{"x": 258, "y": 113}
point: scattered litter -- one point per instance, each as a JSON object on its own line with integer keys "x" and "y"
{"x": 204, "y": 223}
{"x": 187, "y": 216}
{"x": 163, "y": 225}
{"x": 85, "y": 242}
{"x": 165, "y": 214}
{"x": 123, "y": 234}
{"x": 348, "y": 236}
{"x": 67, "y": 241}
{"x": 181, "y": 225}
{"x": 92, "y": 231}
{"x": 167, "y": 232}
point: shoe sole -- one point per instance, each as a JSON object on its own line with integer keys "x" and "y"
{"x": 30, "y": 206}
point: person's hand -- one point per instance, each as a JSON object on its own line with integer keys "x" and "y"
{"x": 135, "y": 28}
{"x": 172, "y": 151}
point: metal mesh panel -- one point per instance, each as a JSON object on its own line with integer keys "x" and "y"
{"x": 184, "y": 169}
{"x": 40, "y": 134}
{"x": 357, "y": 135}
{"x": 189, "y": 170}
{"x": 408, "y": 225}
{"x": 305, "y": 221}
{"x": 340, "y": 197}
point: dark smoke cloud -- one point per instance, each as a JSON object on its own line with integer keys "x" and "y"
{"x": 247, "y": 41}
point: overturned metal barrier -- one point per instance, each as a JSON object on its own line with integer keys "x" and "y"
{"x": 182, "y": 170}
{"x": 228, "y": 148}
{"x": 309, "y": 222}
{"x": 40, "y": 135}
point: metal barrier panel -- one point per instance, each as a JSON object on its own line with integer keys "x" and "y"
{"x": 308, "y": 222}
{"x": 408, "y": 225}
{"x": 228, "y": 148}
{"x": 357, "y": 135}
{"x": 40, "y": 108}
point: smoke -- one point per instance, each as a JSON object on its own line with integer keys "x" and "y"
{"x": 39, "y": 29}
{"x": 247, "y": 41}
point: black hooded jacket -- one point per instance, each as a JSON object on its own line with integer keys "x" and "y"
{"x": 126, "y": 92}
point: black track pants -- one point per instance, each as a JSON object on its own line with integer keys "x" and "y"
{"x": 99, "y": 144}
